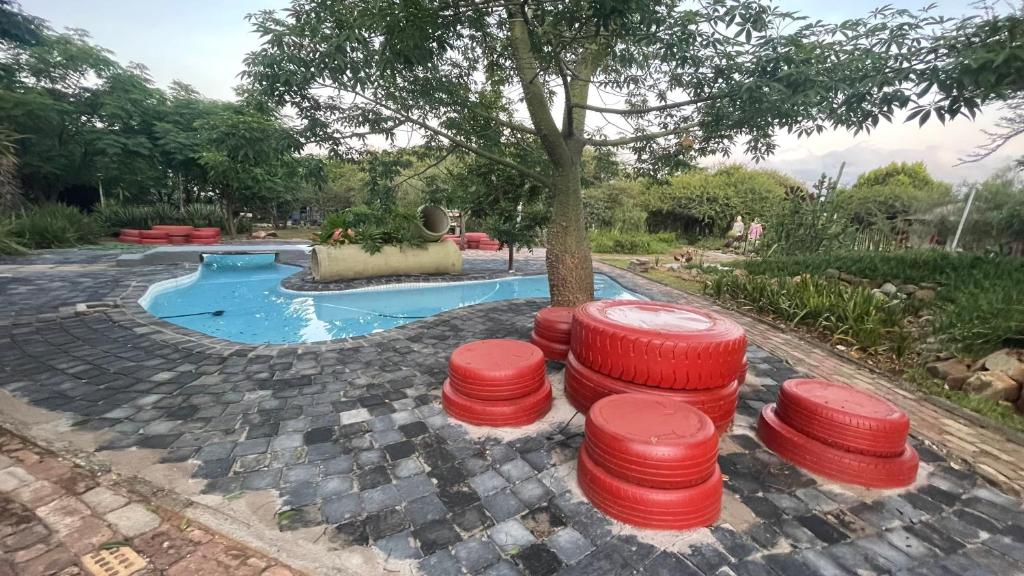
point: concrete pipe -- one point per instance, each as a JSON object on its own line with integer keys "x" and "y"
{"x": 434, "y": 222}
{"x": 348, "y": 262}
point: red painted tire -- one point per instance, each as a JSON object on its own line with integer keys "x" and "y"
{"x": 843, "y": 417}
{"x": 506, "y": 413}
{"x": 175, "y": 229}
{"x": 153, "y": 234}
{"x": 497, "y": 361}
{"x": 653, "y": 441}
{"x": 130, "y": 233}
{"x": 824, "y": 460}
{"x": 209, "y": 230}
{"x": 129, "y": 239}
{"x": 658, "y": 343}
{"x": 178, "y": 239}
{"x": 742, "y": 377}
{"x": 476, "y": 236}
{"x": 495, "y": 392}
{"x": 554, "y": 323}
{"x": 678, "y": 509}
{"x": 154, "y": 241}
{"x": 552, "y": 350}
{"x": 584, "y": 387}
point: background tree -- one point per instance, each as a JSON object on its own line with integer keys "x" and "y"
{"x": 694, "y": 80}
{"x": 250, "y": 157}
{"x": 892, "y": 192}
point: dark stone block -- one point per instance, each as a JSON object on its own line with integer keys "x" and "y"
{"x": 823, "y": 529}
{"x": 436, "y": 535}
{"x": 400, "y": 450}
{"x": 538, "y": 560}
{"x": 320, "y": 435}
{"x": 386, "y": 523}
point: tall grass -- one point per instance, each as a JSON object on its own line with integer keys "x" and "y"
{"x": 980, "y": 304}
{"x": 613, "y": 242}
{"x": 54, "y": 226}
{"x": 851, "y": 316}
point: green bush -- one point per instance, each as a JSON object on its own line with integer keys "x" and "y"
{"x": 55, "y": 226}
{"x": 371, "y": 228}
{"x": 979, "y": 308}
{"x": 113, "y": 218}
{"x": 704, "y": 203}
{"x": 851, "y": 316}
{"x": 612, "y": 242}
{"x": 8, "y": 242}
{"x": 204, "y": 216}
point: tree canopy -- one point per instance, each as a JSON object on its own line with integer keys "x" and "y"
{"x": 687, "y": 80}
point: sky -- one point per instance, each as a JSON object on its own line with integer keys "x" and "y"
{"x": 203, "y": 43}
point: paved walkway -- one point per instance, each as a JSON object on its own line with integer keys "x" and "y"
{"x": 56, "y": 518}
{"x": 342, "y": 449}
{"x": 996, "y": 457}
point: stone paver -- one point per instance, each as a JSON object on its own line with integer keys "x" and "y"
{"x": 46, "y": 527}
{"x": 351, "y": 434}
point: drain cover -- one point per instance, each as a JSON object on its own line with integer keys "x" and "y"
{"x": 113, "y": 562}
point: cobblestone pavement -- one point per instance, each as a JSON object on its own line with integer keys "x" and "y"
{"x": 351, "y": 436}
{"x": 53, "y": 516}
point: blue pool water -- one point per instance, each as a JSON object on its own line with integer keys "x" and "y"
{"x": 258, "y": 311}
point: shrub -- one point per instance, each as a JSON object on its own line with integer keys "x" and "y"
{"x": 204, "y": 216}
{"x": 55, "y": 226}
{"x": 371, "y": 228}
{"x": 8, "y": 242}
{"x": 115, "y": 217}
{"x": 611, "y": 242}
{"x": 852, "y": 316}
{"x": 980, "y": 306}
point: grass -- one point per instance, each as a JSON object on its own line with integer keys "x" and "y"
{"x": 664, "y": 277}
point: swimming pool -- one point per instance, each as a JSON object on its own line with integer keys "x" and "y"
{"x": 254, "y": 309}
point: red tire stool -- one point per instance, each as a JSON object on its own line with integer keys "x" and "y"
{"x": 552, "y": 350}
{"x": 658, "y": 344}
{"x": 584, "y": 387}
{"x": 843, "y": 417}
{"x": 554, "y": 324}
{"x": 154, "y": 235}
{"x": 653, "y": 441}
{"x": 824, "y": 460}
{"x": 175, "y": 229}
{"x": 518, "y": 412}
{"x": 655, "y": 508}
{"x": 177, "y": 239}
{"x": 497, "y": 369}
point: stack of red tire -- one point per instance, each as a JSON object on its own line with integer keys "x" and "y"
{"x": 129, "y": 236}
{"x": 473, "y": 239}
{"x": 175, "y": 234}
{"x": 659, "y": 348}
{"x": 204, "y": 236}
{"x": 651, "y": 461}
{"x": 551, "y": 330}
{"x": 154, "y": 237}
{"x": 841, "y": 433}
{"x": 497, "y": 383}
{"x": 489, "y": 244}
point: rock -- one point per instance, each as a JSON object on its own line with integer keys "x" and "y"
{"x": 879, "y": 294}
{"x": 993, "y": 385}
{"x": 923, "y": 295}
{"x": 957, "y": 382}
{"x": 848, "y": 278}
{"x": 928, "y": 285}
{"x": 946, "y": 368}
{"x": 831, "y": 274}
{"x": 907, "y": 289}
{"x": 1007, "y": 361}
{"x": 639, "y": 265}
{"x": 673, "y": 267}
{"x": 888, "y": 289}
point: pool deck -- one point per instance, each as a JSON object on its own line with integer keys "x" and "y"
{"x": 336, "y": 458}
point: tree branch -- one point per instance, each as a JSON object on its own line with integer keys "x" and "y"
{"x": 640, "y": 137}
{"x": 651, "y": 109}
{"x": 533, "y": 92}
{"x": 457, "y": 141}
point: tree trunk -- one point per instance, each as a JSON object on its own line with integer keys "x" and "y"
{"x": 570, "y": 270}
{"x": 511, "y": 252}
{"x": 229, "y": 215}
